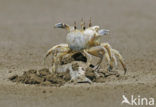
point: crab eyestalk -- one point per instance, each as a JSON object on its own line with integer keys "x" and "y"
{"x": 90, "y": 22}
{"x": 83, "y": 24}
{"x": 75, "y": 25}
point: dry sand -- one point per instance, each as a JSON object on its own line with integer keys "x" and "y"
{"x": 26, "y": 33}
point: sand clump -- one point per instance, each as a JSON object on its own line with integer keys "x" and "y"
{"x": 73, "y": 69}
{"x": 46, "y": 78}
{"x": 42, "y": 77}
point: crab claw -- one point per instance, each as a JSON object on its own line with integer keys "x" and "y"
{"x": 103, "y": 32}
{"x": 59, "y": 25}
{"x": 64, "y": 26}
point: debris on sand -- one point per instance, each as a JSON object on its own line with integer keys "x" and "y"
{"x": 73, "y": 69}
{"x": 46, "y": 78}
{"x": 42, "y": 77}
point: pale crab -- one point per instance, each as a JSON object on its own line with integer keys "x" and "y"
{"x": 86, "y": 41}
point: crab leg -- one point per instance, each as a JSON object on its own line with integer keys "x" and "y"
{"x": 120, "y": 59}
{"x": 108, "y": 47}
{"x": 57, "y": 51}
{"x": 98, "y": 51}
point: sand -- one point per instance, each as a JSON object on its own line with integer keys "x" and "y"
{"x": 26, "y": 33}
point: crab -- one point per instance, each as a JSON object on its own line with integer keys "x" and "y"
{"x": 86, "y": 41}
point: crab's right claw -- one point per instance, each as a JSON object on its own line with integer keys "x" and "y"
{"x": 103, "y": 32}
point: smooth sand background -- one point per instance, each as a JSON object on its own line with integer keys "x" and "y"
{"x": 26, "y": 33}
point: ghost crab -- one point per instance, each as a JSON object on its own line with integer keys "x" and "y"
{"x": 86, "y": 41}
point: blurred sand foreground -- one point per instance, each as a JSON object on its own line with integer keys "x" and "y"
{"x": 26, "y": 33}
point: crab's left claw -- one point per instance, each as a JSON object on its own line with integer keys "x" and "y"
{"x": 103, "y": 32}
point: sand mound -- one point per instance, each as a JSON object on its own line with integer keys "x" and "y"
{"x": 42, "y": 77}
{"x": 45, "y": 77}
{"x": 80, "y": 73}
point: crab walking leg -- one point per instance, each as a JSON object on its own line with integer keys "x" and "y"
{"x": 57, "y": 48}
{"x": 120, "y": 59}
{"x": 89, "y": 57}
{"x": 114, "y": 60}
{"x": 57, "y": 53}
{"x": 50, "y": 51}
{"x": 99, "y": 51}
{"x": 111, "y": 55}
{"x": 56, "y": 59}
{"x": 108, "y": 47}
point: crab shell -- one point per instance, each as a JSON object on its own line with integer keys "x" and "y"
{"x": 79, "y": 40}
{"x": 76, "y": 40}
